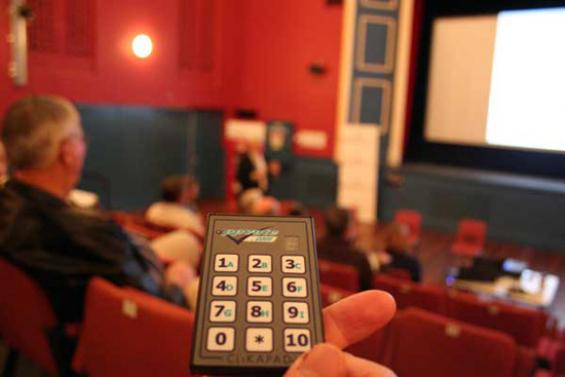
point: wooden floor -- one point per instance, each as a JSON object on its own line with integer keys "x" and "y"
{"x": 436, "y": 260}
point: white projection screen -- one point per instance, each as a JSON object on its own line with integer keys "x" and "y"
{"x": 498, "y": 80}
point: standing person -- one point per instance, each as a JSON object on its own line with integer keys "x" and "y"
{"x": 57, "y": 245}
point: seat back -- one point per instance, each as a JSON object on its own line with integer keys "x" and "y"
{"x": 526, "y": 326}
{"x": 559, "y": 362}
{"x": 26, "y": 316}
{"x": 413, "y": 219}
{"x": 331, "y": 295}
{"x": 422, "y": 344}
{"x": 129, "y": 333}
{"x": 339, "y": 275}
{"x": 472, "y": 232}
{"x": 409, "y": 294}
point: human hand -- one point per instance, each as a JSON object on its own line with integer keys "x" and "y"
{"x": 346, "y": 322}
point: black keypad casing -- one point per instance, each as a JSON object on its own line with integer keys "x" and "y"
{"x": 280, "y": 238}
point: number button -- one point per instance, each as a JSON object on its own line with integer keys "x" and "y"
{"x": 224, "y": 286}
{"x": 222, "y": 311}
{"x": 296, "y": 340}
{"x": 295, "y": 312}
{"x": 220, "y": 339}
{"x": 294, "y": 287}
{"x": 259, "y": 340}
{"x": 260, "y": 263}
{"x": 258, "y": 286}
{"x": 259, "y": 312}
{"x": 226, "y": 263}
{"x": 293, "y": 265}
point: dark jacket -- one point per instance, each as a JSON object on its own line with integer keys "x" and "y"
{"x": 339, "y": 250}
{"x": 61, "y": 248}
{"x": 404, "y": 261}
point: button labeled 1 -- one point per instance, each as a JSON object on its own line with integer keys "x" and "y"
{"x": 258, "y": 286}
{"x": 293, "y": 265}
{"x": 296, "y": 340}
{"x": 226, "y": 262}
{"x": 295, "y": 312}
{"x": 294, "y": 287}
{"x": 220, "y": 339}
{"x": 224, "y": 286}
{"x": 222, "y": 311}
{"x": 260, "y": 263}
{"x": 259, "y": 311}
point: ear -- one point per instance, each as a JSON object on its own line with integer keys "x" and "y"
{"x": 66, "y": 155}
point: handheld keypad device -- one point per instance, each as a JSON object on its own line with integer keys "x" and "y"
{"x": 259, "y": 305}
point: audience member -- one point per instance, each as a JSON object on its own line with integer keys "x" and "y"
{"x": 338, "y": 245}
{"x": 297, "y": 209}
{"x": 253, "y": 202}
{"x": 3, "y": 164}
{"x": 178, "y": 245}
{"x": 399, "y": 253}
{"x": 59, "y": 246}
{"x": 177, "y": 207}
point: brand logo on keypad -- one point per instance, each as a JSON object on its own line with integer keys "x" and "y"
{"x": 267, "y": 234}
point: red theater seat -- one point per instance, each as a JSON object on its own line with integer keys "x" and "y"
{"x": 470, "y": 238}
{"x": 413, "y": 219}
{"x": 526, "y": 326}
{"x": 409, "y": 294}
{"x": 422, "y": 344}
{"x": 26, "y": 317}
{"x": 339, "y": 275}
{"x": 332, "y": 295}
{"x": 129, "y": 333}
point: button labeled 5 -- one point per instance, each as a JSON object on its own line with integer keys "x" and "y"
{"x": 259, "y": 286}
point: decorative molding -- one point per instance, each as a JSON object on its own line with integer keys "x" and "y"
{"x": 380, "y": 4}
{"x": 360, "y": 63}
{"x": 386, "y": 86}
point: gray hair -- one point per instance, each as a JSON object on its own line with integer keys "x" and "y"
{"x": 34, "y": 128}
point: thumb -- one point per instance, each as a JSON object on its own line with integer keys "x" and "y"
{"x": 324, "y": 360}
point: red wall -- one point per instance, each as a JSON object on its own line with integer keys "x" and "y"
{"x": 114, "y": 75}
{"x": 281, "y": 39}
{"x": 260, "y": 53}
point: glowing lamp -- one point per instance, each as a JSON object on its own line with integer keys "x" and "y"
{"x": 142, "y": 46}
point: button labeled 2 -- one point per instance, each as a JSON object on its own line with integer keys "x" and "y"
{"x": 293, "y": 265}
{"x": 259, "y": 286}
{"x": 222, "y": 311}
{"x": 224, "y": 286}
{"x": 220, "y": 339}
{"x": 295, "y": 312}
{"x": 294, "y": 287}
{"x": 260, "y": 263}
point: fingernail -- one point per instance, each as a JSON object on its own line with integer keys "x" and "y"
{"x": 324, "y": 360}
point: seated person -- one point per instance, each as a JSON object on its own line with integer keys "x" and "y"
{"x": 254, "y": 202}
{"x": 57, "y": 245}
{"x": 176, "y": 209}
{"x": 398, "y": 255}
{"x": 338, "y": 245}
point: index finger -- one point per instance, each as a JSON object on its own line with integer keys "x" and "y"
{"x": 356, "y": 317}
